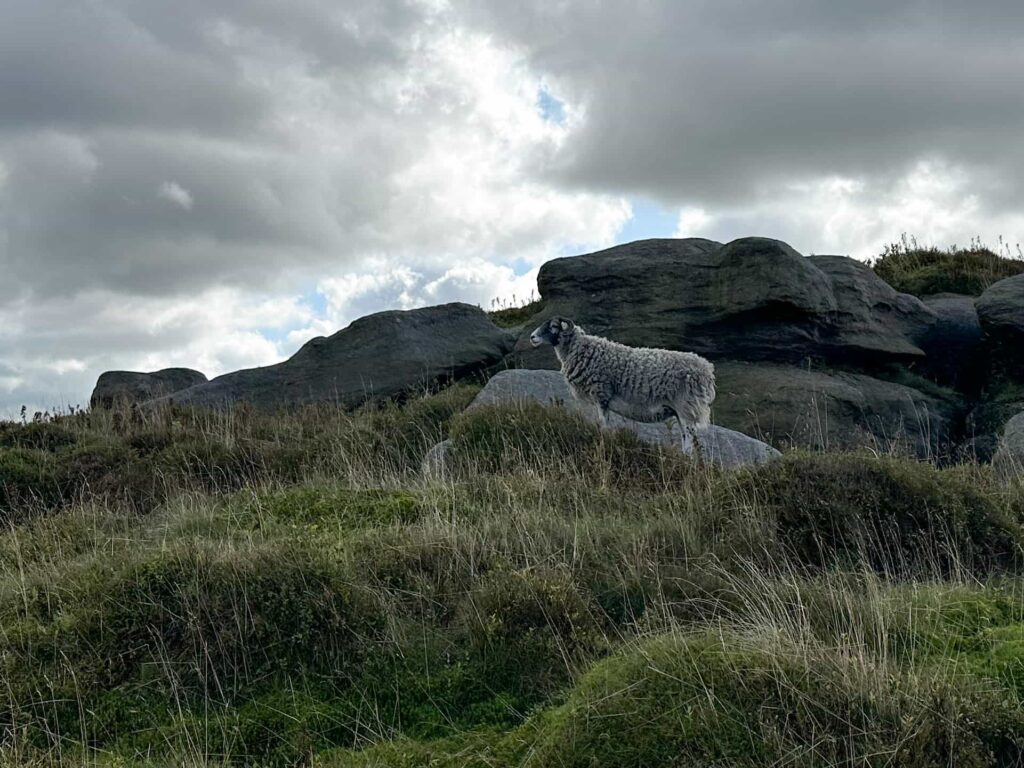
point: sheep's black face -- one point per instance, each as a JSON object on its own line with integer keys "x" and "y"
{"x": 551, "y": 332}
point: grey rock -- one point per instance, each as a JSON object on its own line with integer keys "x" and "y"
{"x": 1001, "y": 311}
{"x": 1009, "y": 458}
{"x": 377, "y": 357}
{"x": 1001, "y": 307}
{"x": 985, "y": 423}
{"x": 872, "y": 320}
{"x": 435, "y": 463}
{"x": 792, "y": 406}
{"x": 752, "y": 299}
{"x": 115, "y": 388}
{"x": 953, "y": 345}
{"x": 721, "y": 446}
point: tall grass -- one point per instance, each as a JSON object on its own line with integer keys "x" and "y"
{"x": 289, "y": 589}
{"x": 921, "y": 270}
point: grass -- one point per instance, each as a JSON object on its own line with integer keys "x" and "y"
{"x": 927, "y": 270}
{"x": 190, "y": 588}
{"x": 514, "y": 315}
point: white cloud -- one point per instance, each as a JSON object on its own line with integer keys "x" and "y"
{"x": 173, "y": 192}
{"x": 933, "y": 200}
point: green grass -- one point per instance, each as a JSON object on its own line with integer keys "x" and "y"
{"x": 247, "y": 589}
{"x": 926, "y": 271}
{"x": 514, "y": 317}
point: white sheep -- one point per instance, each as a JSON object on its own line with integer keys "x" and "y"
{"x": 639, "y": 383}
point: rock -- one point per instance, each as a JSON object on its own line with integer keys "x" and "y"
{"x": 1001, "y": 311}
{"x": 1001, "y": 306}
{"x": 792, "y": 406}
{"x": 1009, "y": 459}
{"x": 720, "y": 446}
{"x": 752, "y": 299}
{"x": 435, "y": 463}
{"x": 127, "y": 387}
{"x": 953, "y": 345}
{"x": 377, "y": 357}
{"x": 872, "y": 321}
{"x": 986, "y": 422}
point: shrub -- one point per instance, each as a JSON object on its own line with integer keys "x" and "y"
{"x": 200, "y": 615}
{"x": 29, "y": 479}
{"x": 554, "y": 442}
{"x": 38, "y": 435}
{"x": 514, "y": 317}
{"x": 398, "y": 436}
{"x": 530, "y": 627}
{"x": 895, "y": 515}
{"x": 728, "y": 700}
{"x": 315, "y": 507}
{"x": 910, "y": 268}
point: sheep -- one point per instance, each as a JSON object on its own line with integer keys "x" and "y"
{"x": 639, "y": 383}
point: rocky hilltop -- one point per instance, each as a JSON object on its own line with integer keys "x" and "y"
{"x": 815, "y": 351}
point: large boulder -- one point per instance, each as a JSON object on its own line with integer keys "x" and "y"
{"x": 377, "y": 357}
{"x": 985, "y": 423}
{"x": 872, "y": 321}
{"x": 720, "y": 446}
{"x": 792, "y": 406}
{"x": 115, "y": 388}
{"x": 1001, "y": 311}
{"x": 1009, "y": 458}
{"x": 953, "y": 345}
{"x": 752, "y": 299}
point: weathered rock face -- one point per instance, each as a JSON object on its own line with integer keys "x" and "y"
{"x": 720, "y": 446}
{"x": 1001, "y": 311}
{"x": 1009, "y": 459}
{"x": 953, "y": 345}
{"x": 127, "y": 387}
{"x": 872, "y": 322}
{"x": 787, "y": 405}
{"x": 377, "y": 357}
{"x": 752, "y": 299}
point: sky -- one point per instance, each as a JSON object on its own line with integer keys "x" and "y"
{"x": 210, "y": 183}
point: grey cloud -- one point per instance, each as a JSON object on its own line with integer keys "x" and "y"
{"x": 710, "y": 101}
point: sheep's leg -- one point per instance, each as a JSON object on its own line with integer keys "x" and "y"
{"x": 602, "y": 413}
{"x": 690, "y": 442}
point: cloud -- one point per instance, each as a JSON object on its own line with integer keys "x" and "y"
{"x": 209, "y": 184}
{"x": 309, "y": 145}
{"x": 173, "y": 192}
{"x": 714, "y": 102}
{"x": 934, "y": 201}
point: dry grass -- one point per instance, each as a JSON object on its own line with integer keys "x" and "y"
{"x": 288, "y": 589}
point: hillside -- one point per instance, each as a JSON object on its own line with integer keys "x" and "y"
{"x": 243, "y": 584}
{"x": 249, "y": 589}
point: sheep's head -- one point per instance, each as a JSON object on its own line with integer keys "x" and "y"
{"x": 552, "y": 331}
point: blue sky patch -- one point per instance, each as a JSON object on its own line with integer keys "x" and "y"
{"x": 551, "y": 108}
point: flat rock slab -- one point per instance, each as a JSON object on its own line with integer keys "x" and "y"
{"x": 721, "y": 446}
